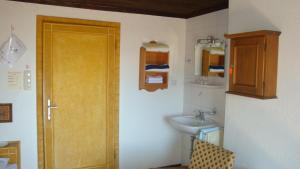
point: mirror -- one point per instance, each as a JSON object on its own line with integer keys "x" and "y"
{"x": 210, "y": 57}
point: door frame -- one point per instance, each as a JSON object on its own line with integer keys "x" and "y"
{"x": 40, "y": 20}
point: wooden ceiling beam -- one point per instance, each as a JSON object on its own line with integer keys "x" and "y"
{"x": 168, "y": 8}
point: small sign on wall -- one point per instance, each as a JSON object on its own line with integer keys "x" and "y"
{"x": 14, "y": 80}
{"x": 5, "y": 113}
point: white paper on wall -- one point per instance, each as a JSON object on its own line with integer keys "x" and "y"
{"x": 12, "y": 50}
{"x": 14, "y": 80}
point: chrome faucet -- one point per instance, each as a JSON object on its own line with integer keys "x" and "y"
{"x": 200, "y": 115}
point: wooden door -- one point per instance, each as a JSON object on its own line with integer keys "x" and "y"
{"x": 80, "y": 78}
{"x": 247, "y": 65}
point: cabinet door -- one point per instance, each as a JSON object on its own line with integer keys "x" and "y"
{"x": 247, "y": 65}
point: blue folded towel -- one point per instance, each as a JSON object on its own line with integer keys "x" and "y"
{"x": 149, "y": 67}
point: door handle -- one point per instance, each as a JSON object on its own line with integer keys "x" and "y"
{"x": 49, "y": 108}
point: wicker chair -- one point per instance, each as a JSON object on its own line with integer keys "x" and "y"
{"x": 209, "y": 156}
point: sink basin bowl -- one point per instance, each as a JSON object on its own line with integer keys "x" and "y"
{"x": 189, "y": 124}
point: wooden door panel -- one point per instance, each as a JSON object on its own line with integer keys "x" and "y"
{"x": 247, "y": 63}
{"x": 79, "y": 79}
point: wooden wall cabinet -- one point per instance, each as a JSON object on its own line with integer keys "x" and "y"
{"x": 253, "y": 64}
{"x": 153, "y": 58}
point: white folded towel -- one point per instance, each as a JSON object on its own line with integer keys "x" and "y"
{"x": 216, "y": 70}
{"x": 157, "y": 70}
{"x": 156, "y": 47}
{"x": 217, "y": 52}
{"x": 154, "y": 79}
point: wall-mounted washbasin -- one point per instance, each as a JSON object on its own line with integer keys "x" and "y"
{"x": 189, "y": 124}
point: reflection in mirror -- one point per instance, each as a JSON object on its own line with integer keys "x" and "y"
{"x": 210, "y": 57}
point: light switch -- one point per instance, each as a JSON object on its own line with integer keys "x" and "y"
{"x": 27, "y": 80}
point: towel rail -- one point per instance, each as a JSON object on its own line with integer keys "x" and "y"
{"x": 210, "y": 39}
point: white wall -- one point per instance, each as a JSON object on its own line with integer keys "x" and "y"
{"x": 146, "y": 140}
{"x": 215, "y": 24}
{"x": 196, "y": 97}
{"x": 265, "y": 134}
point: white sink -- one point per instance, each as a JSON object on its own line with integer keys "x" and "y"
{"x": 189, "y": 124}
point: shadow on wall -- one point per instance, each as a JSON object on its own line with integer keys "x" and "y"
{"x": 260, "y": 140}
{"x": 265, "y": 134}
{"x": 260, "y": 153}
{"x": 257, "y": 20}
